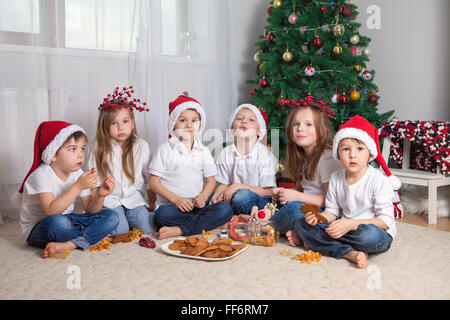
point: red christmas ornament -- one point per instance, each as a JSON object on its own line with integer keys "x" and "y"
{"x": 341, "y": 8}
{"x": 270, "y": 37}
{"x": 317, "y": 42}
{"x": 252, "y": 91}
{"x": 269, "y": 10}
{"x": 372, "y": 99}
{"x": 281, "y": 102}
{"x": 347, "y": 11}
{"x": 263, "y": 83}
{"x": 343, "y": 99}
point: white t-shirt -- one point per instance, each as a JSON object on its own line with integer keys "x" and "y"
{"x": 180, "y": 171}
{"x": 370, "y": 197}
{"x": 43, "y": 180}
{"x": 126, "y": 193}
{"x": 325, "y": 168}
{"x": 258, "y": 168}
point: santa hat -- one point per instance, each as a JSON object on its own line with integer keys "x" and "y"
{"x": 261, "y": 116}
{"x": 361, "y": 129}
{"x": 180, "y": 104}
{"x": 50, "y": 136}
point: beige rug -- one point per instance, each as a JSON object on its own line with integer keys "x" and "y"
{"x": 416, "y": 267}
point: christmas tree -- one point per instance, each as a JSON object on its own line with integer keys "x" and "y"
{"x": 312, "y": 51}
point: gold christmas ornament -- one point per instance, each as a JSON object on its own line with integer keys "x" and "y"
{"x": 355, "y": 95}
{"x": 338, "y": 30}
{"x": 354, "y": 39}
{"x": 337, "y": 49}
{"x": 357, "y": 67}
{"x": 287, "y": 56}
{"x": 260, "y": 66}
{"x": 277, "y": 4}
{"x": 256, "y": 57}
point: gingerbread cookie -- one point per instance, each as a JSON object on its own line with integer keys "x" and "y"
{"x": 309, "y": 207}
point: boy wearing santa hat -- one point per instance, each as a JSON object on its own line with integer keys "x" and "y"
{"x": 50, "y": 188}
{"x": 182, "y": 175}
{"x": 358, "y": 204}
{"x": 246, "y": 168}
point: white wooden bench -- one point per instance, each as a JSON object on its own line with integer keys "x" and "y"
{"x": 417, "y": 177}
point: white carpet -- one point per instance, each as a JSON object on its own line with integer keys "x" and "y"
{"x": 416, "y": 267}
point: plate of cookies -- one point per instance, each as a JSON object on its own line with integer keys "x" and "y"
{"x": 198, "y": 247}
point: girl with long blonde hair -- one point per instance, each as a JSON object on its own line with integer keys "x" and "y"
{"x": 309, "y": 162}
{"x": 118, "y": 152}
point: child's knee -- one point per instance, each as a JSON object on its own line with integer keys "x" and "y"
{"x": 58, "y": 222}
{"x": 241, "y": 196}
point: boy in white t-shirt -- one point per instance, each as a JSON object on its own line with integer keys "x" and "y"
{"x": 246, "y": 168}
{"x": 358, "y": 204}
{"x": 182, "y": 175}
{"x": 49, "y": 190}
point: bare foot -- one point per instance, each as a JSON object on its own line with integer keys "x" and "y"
{"x": 295, "y": 240}
{"x": 53, "y": 247}
{"x": 359, "y": 257}
{"x": 233, "y": 219}
{"x": 169, "y": 232}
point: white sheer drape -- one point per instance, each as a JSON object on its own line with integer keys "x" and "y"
{"x": 51, "y": 82}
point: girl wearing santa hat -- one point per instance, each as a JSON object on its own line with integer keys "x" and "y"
{"x": 358, "y": 205}
{"x": 309, "y": 162}
{"x": 182, "y": 175}
{"x": 49, "y": 190}
{"x": 119, "y": 153}
{"x": 246, "y": 168}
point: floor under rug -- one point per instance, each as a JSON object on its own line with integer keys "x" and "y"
{"x": 415, "y": 267}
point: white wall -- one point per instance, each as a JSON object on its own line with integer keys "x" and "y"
{"x": 410, "y": 54}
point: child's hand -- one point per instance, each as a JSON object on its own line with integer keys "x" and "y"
{"x": 215, "y": 199}
{"x": 311, "y": 218}
{"x": 339, "y": 227}
{"x": 87, "y": 180}
{"x": 107, "y": 187}
{"x": 200, "y": 200}
{"x": 230, "y": 191}
{"x": 284, "y": 195}
{"x": 184, "y": 205}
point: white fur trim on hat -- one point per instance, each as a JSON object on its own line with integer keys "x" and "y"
{"x": 255, "y": 110}
{"x": 173, "y": 117}
{"x": 50, "y": 151}
{"x": 354, "y": 133}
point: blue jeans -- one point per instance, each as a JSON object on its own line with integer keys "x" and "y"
{"x": 367, "y": 238}
{"x": 243, "y": 201}
{"x": 206, "y": 218}
{"x": 138, "y": 217}
{"x": 285, "y": 217}
{"x": 83, "y": 230}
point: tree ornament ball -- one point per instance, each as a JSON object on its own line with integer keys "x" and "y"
{"x": 287, "y": 56}
{"x": 338, "y": 30}
{"x": 366, "y": 51}
{"x": 367, "y": 75}
{"x": 309, "y": 71}
{"x": 343, "y": 99}
{"x": 256, "y": 57}
{"x": 372, "y": 98}
{"x": 354, "y": 39}
{"x": 293, "y": 18}
{"x": 281, "y": 101}
{"x": 357, "y": 67}
{"x": 347, "y": 11}
{"x": 263, "y": 83}
{"x": 355, "y": 95}
{"x": 317, "y": 42}
{"x": 277, "y": 3}
{"x": 337, "y": 49}
{"x": 252, "y": 91}
{"x": 335, "y": 98}
{"x": 270, "y": 37}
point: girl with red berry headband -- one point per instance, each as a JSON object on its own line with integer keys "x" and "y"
{"x": 119, "y": 154}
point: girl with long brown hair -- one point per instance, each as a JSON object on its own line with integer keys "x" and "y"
{"x": 309, "y": 162}
{"x": 118, "y": 152}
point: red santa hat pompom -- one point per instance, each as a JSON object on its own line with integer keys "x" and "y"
{"x": 261, "y": 116}
{"x": 180, "y": 104}
{"x": 361, "y": 129}
{"x": 50, "y": 136}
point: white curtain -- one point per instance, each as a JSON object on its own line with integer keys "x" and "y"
{"x": 54, "y": 71}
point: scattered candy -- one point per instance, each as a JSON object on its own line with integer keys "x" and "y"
{"x": 307, "y": 257}
{"x": 60, "y": 254}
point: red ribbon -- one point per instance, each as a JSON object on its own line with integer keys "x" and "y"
{"x": 397, "y": 211}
